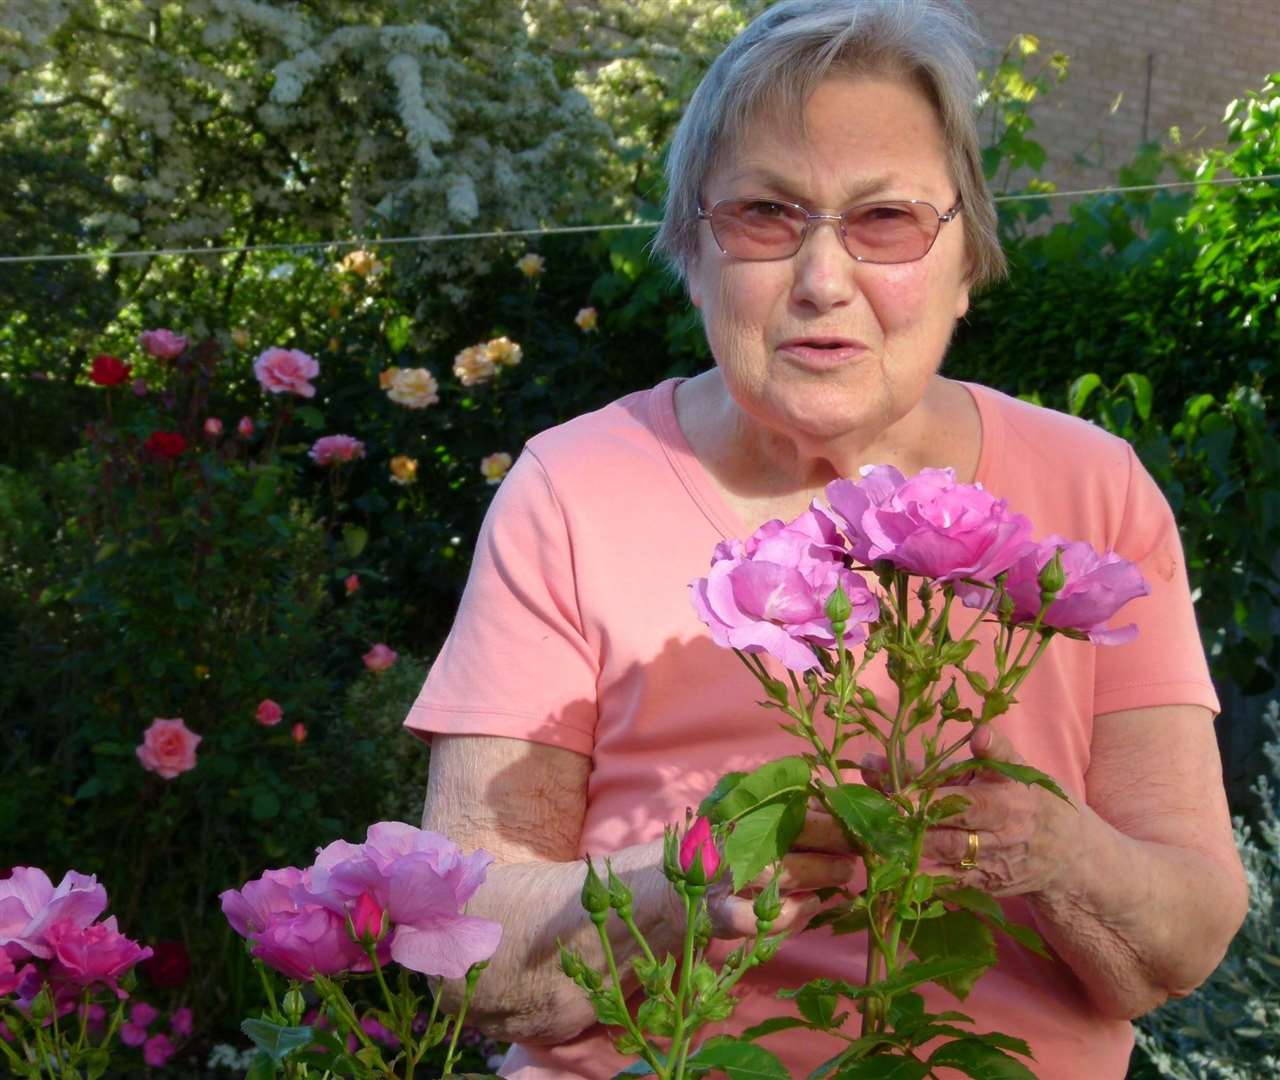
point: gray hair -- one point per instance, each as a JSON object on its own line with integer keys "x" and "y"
{"x": 778, "y": 61}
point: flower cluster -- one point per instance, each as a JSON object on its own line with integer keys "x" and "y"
{"x": 769, "y": 594}
{"x": 414, "y": 388}
{"x": 479, "y": 363}
{"x": 52, "y": 934}
{"x": 398, "y": 897}
{"x": 157, "y": 1046}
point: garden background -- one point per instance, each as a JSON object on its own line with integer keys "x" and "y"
{"x": 170, "y": 547}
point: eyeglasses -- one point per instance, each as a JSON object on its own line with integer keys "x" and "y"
{"x": 763, "y": 230}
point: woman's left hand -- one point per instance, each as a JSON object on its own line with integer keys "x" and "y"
{"x": 1027, "y": 836}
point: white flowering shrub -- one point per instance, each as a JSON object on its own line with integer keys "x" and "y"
{"x": 1229, "y": 1029}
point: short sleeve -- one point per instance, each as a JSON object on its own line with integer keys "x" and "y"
{"x": 1165, "y": 664}
{"x": 516, "y": 662}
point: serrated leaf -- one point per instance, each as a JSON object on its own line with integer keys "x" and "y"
{"x": 956, "y": 935}
{"x": 869, "y": 815}
{"x": 737, "y": 1060}
{"x": 277, "y": 1041}
{"x": 817, "y": 1006}
{"x": 763, "y": 836}
{"x": 768, "y": 1027}
{"x": 982, "y": 1062}
{"x": 781, "y": 779}
{"x": 724, "y": 785}
{"x": 1024, "y": 774}
{"x": 985, "y": 905}
{"x": 947, "y": 806}
{"x": 883, "y": 1067}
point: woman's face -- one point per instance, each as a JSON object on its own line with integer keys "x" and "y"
{"x": 771, "y": 325}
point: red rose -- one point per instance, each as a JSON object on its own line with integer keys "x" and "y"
{"x": 108, "y": 371}
{"x": 169, "y": 964}
{"x": 165, "y": 445}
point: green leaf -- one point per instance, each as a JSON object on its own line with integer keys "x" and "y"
{"x": 1024, "y": 774}
{"x": 884, "y": 1067}
{"x": 354, "y": 539}
{"x": 724, "y": 785}
{"x": 870, "y": 816}
{"x": 266, "y": 805}
{"x": 984, "y": 904}
{"x": 737, "y": 1060}
{"x": 398, "y": 332}
{"x": 311, "y": 417}
{"x": 1079, "y": 392}
{"x": 773, "y": 780}
{"x": 1139, "y": 386}
{"x": 956, "y": 934}
{"x": 264, "y": 490}
{"x": 818, "y": 1006}
{"x": 768, "y": 1027}
{"x": 975, "y": 1058}
{"x": 763, "y": 836}
{"x": 91, "y": 787}
{"x": 95, "y": 1062}
{"x": 276, "y": 1040}
{"x": 261, "y": 1068}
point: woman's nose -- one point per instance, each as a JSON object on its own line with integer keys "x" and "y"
{"x": 824, "y": 271}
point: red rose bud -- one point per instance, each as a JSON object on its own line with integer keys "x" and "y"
{"x": 368, "y": 919}
{"x": 108, "y": 370}
{"x": 168, "y": 966}
{"x": 699, "y": 857}
{"x": 165, "y": 445}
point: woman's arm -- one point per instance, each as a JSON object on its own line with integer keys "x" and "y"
{"x": 1140, "y": 890}
{"x": 524, "y": 804}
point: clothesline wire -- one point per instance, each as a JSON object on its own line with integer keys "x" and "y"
{"x": 555, "y": 230}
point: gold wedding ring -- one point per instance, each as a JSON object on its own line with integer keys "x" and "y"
{"x": 970, "y": 860}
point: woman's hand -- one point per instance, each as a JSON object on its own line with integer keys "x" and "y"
{"x": 820, "y": 859}
{"x": 1027, "y": 837}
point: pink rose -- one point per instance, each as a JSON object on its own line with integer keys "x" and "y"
{"x": 336, "y": 449}
{"x": 142, "y": 1014}
{"x": 268, "y": 713}
{"x": 92, "y": 954}
{"x": 162, "y": 344}
{"x": 133, "y": 1034}
{"x": 379, "y": 1032}
{"x": 213, "y": 427}
{"x": 769, "y": 593}
{"x": 11, "y": 976}
{"x": 352, "y": 584}
{"x": 158, "y": 1051}
{"x": 245, "y": 427}
{"x": 168, "y": 748}
{"x": 308, "y": 941}
{"x": 367, "y": 917}
{"x": 928, "y": 524}
{"x": 281, "y": 371}
{"x": 29, "y": 905}
{"x": 298, "y": 733}
{"x": 180, "y": 1022}
{"x": 248, "y": 908}
{"x": 380, "y": 657}
{"x": 1095, "y": 587}
{"x": 699, "y": 856}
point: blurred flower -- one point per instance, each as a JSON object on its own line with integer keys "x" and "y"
{"x": 380, "y": 657}
{"x": 200, "y": 671}
{"x": 352, "y": 583}
{"x": 334, "y": 344}
{"x": 245, "y": 428}
{"x": 239, "y": 337}
{"x": 586, "y": 319}
{"x": 298, "y": 733}
{"x": 139, "y": 387}
{"x": 165, "y": 445}
{"x": 213, "y": 427}
{"x": 162, "y": 344}
{"x": 504, "y": 352}
{"x": 531, "y": 265}
{"x": 361, "y": 263}
{"x": 158, "y": 1051}
{"x": 495, "y": 466}
{"x": 282, "y": 371}
{"x": 336, "y": 449}
{"x": 132, "y": 1034}
{"x": 379, "y": 1033}
{"x": 387, "y": 378}
{"x": 404, "y": 470}
{"x": 268, "y": 713}
{"x": 141, "y": 1013}
{"x": 169, "y": 965}
{"x": 414, "y": 388}
{"x": 473, "y": 365}
{"x": 168, "y": 748}
{"x": 180, "y": 1022}
{"x": 107, "y": 370}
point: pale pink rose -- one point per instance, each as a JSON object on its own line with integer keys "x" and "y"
{"x": 158, "y": 1051}
{"x": 213, "y": 427}
{"x": 336, "y": 449}
{"x": 380, "y": 657}
{"x": 248, "y": 908}
{"x": 298, "y": 733}
{"x": 245, "y": 427}
{"x": 352, "y": 583}
{"x": 495, "y": 466}
{"x": 268, "y": 713}
{"x": 168, "y": 748}
{"x": 162, "y": 344}
{"x": 282, "y": 371}
{"x": 29, "y": 905}
{"x": 180, "y": 1022}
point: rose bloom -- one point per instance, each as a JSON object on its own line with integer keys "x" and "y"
{"x": 165, "y": 445}
{"x": 30, "y": 904}
{"x": 380, "y": 657}
{"x": 361, "y": 263}
{"x": 336, "y": 449}
{"x": 404, "y": 470}
{"x": 352, "y": 583}
{"x": 245, "y": 428}
{"x": 180, "y": 1022}
{"x": 531, "y": 265}
{"x": 699, "y": 856}
{"x": 495, "y": 466}
{"x": 474, "y": 365}
{"x": 586, "y": 319}
{"x": 162, "y": 344}
{"x": 414, "y": 388}
{"x": 281, "y": 371}
{"x": 298, "y": 733}
{"x": 108, "y": 370}
{"x": 213, "y": 427}
{"x": 268, "y": 713}
{"x": 504, "y": 352}
{"x": 157, "y": 1051}
{"x": 168, "y": 748}
{"x": 84, "y": 955}
{"x": 387, "y": 378}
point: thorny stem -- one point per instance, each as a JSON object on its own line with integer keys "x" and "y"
{"x": 646, "y": 1051}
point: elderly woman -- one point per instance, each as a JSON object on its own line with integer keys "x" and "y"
{"x": 828, "y": 212}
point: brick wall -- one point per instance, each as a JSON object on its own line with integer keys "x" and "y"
{"x": 1171, "y": 62}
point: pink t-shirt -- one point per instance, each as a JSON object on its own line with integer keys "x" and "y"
{"x": 576, "y": 631}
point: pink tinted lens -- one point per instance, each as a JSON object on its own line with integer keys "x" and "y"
{"x": 757, "y": 229}
{"x": 890, "y": 232}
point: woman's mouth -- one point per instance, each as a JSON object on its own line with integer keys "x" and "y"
{"x": 822, "y": 352}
